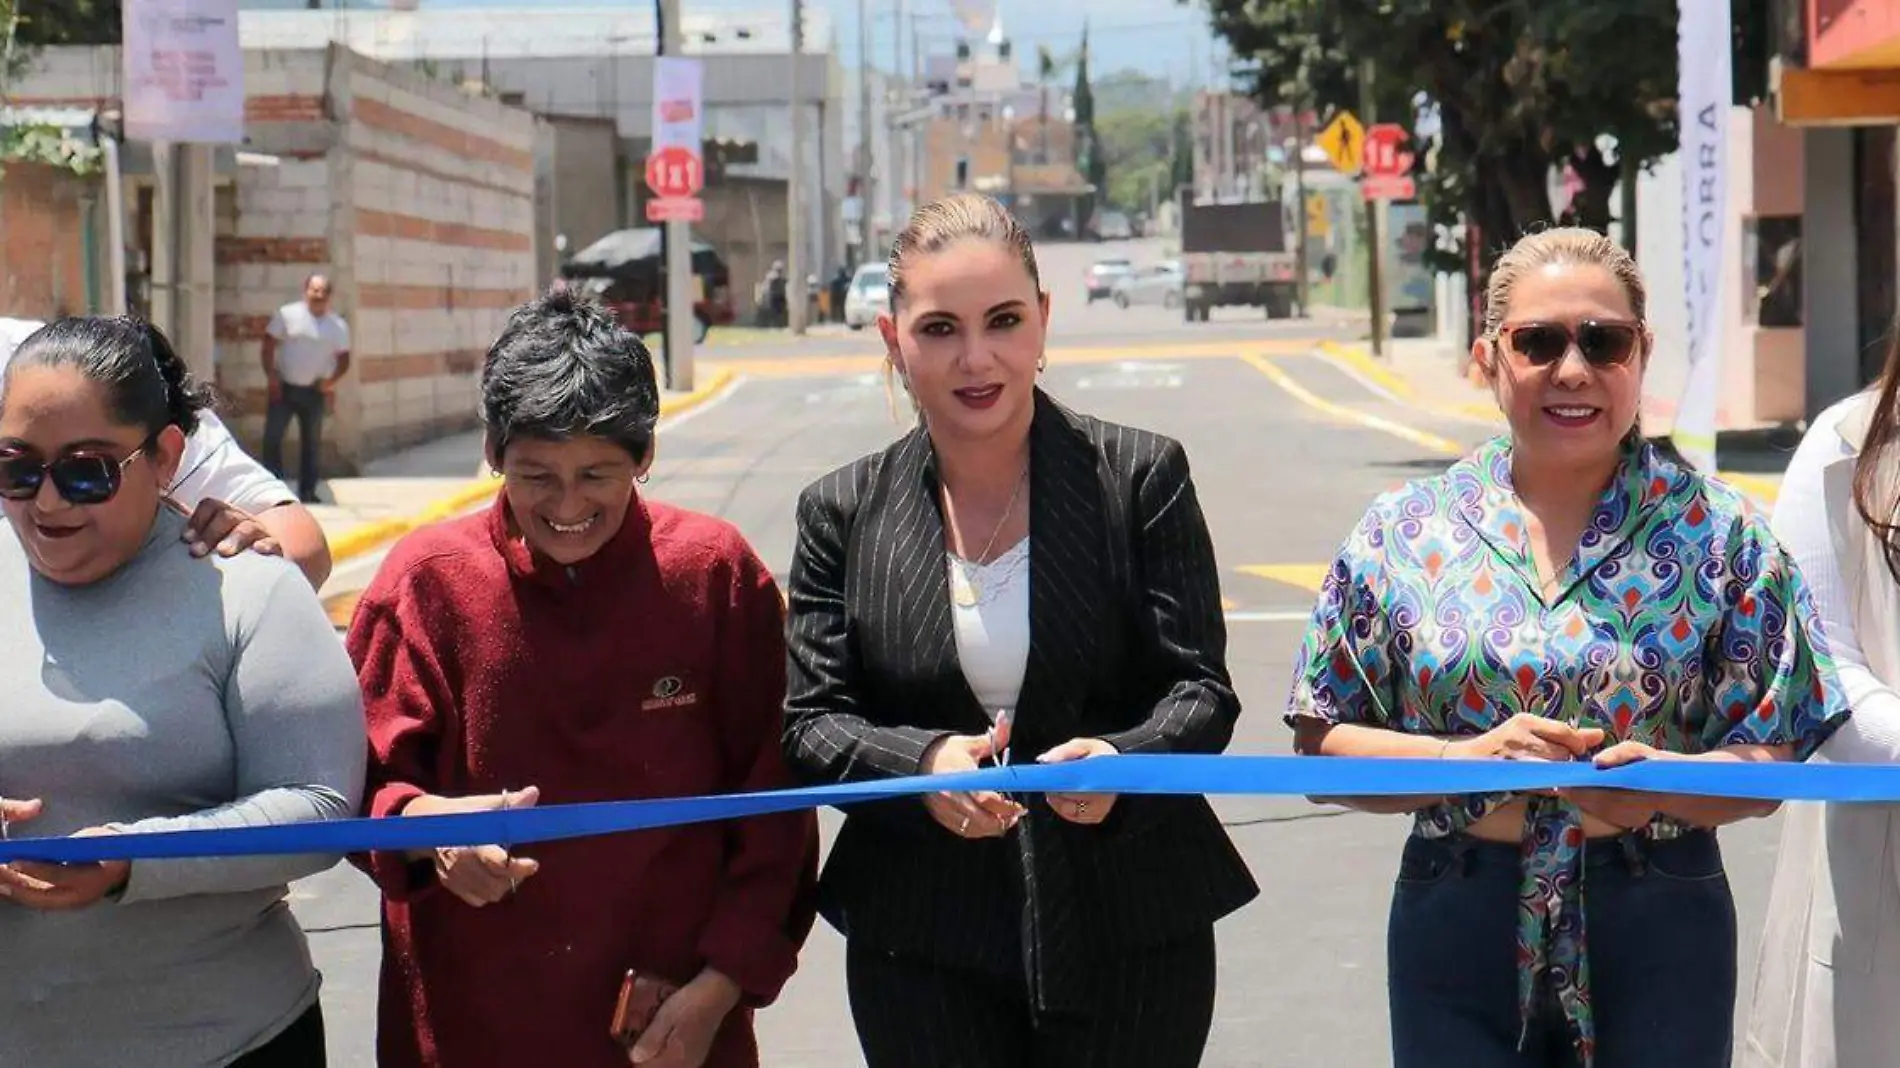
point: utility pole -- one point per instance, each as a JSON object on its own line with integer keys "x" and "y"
{"x": 676, "y": 240}
{"x": 863, "y": 169}
{"x": 1375, "y": 288}
{"x": 1299, "y": 192}
{"x": 795, "y": 295}
{"x": 896, "y": 100}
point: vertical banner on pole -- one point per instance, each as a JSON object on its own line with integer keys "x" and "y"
{"x": 184, "y": 71}
{"x": 676, "y": 98}
{"x": 1705, "y": 95}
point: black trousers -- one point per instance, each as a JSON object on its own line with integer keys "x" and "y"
{"x": 301, "y": 1045}
{"x": 306, "y": 404}
{"x": 1151, "y": 1009}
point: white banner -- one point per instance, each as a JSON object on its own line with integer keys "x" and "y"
{"x": 184, "y": 71}
{"x": 1705, "y": 94}
{"x": 676, "y": 103}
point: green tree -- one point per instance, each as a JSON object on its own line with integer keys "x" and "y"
{"x": 1137, "y": 145}
{"x": 1519, "y": 88}
{"x": 67, "y": 22}
{"x": 1089, "y": 159}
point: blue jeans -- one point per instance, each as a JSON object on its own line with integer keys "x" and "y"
{"x": 306, "y": 404}
{"x": 1661, "y": 943}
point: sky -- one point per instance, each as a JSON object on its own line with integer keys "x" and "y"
{"x": 1162, "y": 38}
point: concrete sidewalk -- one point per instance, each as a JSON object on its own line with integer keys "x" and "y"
{"x": 427, "y": 483}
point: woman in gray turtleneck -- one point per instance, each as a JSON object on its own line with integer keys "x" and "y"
{"x": 146, "y": 690}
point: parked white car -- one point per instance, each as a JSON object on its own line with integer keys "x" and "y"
{"x": 1160, "y": 284}
{"x": 868, "y": 295}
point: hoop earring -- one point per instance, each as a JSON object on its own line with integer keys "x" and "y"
{"x": 1042, "y": 363}
{"x": 641, "y": 479}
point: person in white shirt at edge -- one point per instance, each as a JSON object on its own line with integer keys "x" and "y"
{"x": 306, "y": 353}
{"x": 233, "y": 504}
{"x": 1828, "y": 978}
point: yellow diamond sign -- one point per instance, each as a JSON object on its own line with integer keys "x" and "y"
{"x": 1344, "y": 140}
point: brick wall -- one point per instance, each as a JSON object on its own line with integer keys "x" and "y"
{"x": 415, "y": 197}
{"x": 441, "y": 189}
{"x": 43, "y": 223}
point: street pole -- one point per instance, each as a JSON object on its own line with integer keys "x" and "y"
{"x": 676, "y": 242}
{"x": 1374, "y": 287}
{"x": 863, "y": 169}
{"x": 1299, "y": 211}
{"x": 795, "y": 296}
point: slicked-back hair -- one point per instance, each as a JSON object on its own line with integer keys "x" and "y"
{"x": 146, "y": 382}
{"x": 563, "y": 368}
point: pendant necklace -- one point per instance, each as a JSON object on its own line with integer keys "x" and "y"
{"x": 965, "y": 590}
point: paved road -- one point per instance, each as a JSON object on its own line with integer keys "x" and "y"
{"x": 1302, "y": 980}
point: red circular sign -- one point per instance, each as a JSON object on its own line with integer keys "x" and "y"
{"x": 1385, "y": 155}
{"x": 674, "y": 172}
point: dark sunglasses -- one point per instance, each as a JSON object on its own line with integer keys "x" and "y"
{"x": 1603, "y": 344}
{"x": 80, "y": 479}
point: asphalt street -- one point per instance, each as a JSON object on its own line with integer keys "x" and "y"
{"x": 1281, "y": 478}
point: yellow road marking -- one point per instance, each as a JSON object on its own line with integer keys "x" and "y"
{"x": 1366, "y": 419}
{"x": 1766, "y": 491}
{"x": 1305, "y": 576}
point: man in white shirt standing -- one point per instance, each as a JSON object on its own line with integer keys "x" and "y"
{"x": 234, "y": 503}
{"x": 306, "y": 353}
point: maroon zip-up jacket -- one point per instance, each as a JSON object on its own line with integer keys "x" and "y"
{"x": 656, "y": 668}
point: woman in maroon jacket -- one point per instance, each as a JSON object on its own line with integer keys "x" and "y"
{"x": 573, "y": 643}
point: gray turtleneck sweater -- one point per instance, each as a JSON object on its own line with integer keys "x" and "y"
{"x": 175, "y": 693}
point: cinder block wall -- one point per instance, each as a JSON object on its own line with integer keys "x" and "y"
{"x": 439, "y": 187}
{"x": 414, "y": 196}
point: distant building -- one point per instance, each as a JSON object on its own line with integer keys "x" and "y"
{"x": 990, "y": 130}
{"x": 582, "y": 62}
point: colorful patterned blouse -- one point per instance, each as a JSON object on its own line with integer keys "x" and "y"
{"x": 1680, "y": 623}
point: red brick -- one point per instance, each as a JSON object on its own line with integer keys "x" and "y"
{"x": 42, "y": 250}
{"x": 298, "y": 250}
{"x": 467, "y": 145}
{"x": 371, "y": 223}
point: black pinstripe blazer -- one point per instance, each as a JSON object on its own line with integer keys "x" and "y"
{"x": 1128, "y": 644}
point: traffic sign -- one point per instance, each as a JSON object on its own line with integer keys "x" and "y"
{"x": 675, "y": 172}
{"x": 1388, "y": 187}
{"x": 665, "y": 209}
{"x": 1343, "y": 139}
{"x": 1385, "y": 155}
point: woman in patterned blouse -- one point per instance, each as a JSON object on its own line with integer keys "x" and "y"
{"x": 1564, "y": 593}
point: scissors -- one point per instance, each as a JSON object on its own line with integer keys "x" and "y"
{"x": 1000, "y": 756}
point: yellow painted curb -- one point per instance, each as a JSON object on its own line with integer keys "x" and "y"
{"x": 361, "y": 539}
{"x": 1401, "y": 387}
{"x": 1363, "y": 362}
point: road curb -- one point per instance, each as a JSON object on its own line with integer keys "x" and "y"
{"x": 357, "y": 541}
{"x": 1357, "y": 358}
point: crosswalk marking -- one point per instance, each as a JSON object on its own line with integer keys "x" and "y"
{"x": 1305, "y": 576}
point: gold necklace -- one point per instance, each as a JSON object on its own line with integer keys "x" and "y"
{"x": 965, "y": 590}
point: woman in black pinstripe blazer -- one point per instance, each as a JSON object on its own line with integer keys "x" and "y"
{"x": 1010, "y": 581}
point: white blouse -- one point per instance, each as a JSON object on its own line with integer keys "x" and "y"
{"x": 1801, "y": 524}
{"x": 992, "y": 633}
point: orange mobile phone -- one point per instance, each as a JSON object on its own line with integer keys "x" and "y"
{"x": 640, "y": 998}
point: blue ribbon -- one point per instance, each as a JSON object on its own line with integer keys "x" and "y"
{"x": 1212, "y": 775}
